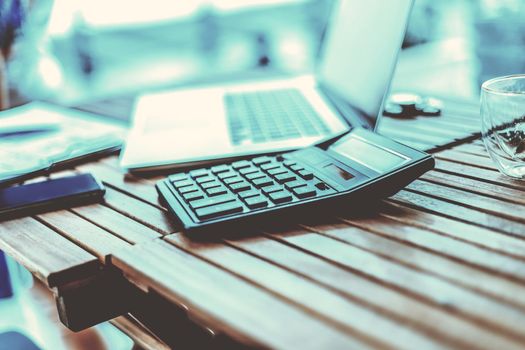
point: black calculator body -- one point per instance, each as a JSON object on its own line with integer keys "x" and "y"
{"x": 359, "y": 166}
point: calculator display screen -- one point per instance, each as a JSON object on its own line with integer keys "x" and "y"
{"x": 336, "y": 171}
{"x": 369, "y": 155}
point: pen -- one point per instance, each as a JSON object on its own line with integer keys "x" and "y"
{"x": 23, "y": 132}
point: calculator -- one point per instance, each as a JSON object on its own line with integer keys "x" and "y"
{"x": 360, "y": 166}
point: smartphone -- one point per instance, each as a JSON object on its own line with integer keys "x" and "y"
{"x": 59, "y": 193}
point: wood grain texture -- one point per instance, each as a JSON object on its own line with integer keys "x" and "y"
{"x": 243, "y": 311}
{"x": 441, "y": 264}
{"x": 49, "y": 256}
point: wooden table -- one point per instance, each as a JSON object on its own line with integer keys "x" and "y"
{"x": 440, "y": 264}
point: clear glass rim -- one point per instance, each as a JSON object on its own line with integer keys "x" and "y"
{"x": 486, "y": 85}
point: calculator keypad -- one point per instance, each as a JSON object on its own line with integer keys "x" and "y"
{"x": 245, "y": 186}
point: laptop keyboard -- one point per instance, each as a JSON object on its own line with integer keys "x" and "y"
{"x": 274, "y": 115}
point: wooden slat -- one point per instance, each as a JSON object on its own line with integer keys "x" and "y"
{"x": 426, "y": 287}
{"x": 83, "y": 233}
{"x": 140, "y": 211}
{"x": 459, "y": 212}
{"x": 496, "y": 207}
{"x": 435, "y": 321}
{"x": 340, "y": 311}
{"x": 467, "y": 158}
{"x": 475, "y": 186}
{"x": 35, "y": 246}
{"x": 459, "y": 230}
{"x": 476, "y": 173}
{"x": 445, "y": 257}
{"x": 138, "y": 188}
{"x": 236, "y": 308}
{"x": 118, "y": 224}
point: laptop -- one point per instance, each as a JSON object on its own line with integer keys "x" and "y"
{"x": 200, "y": 125}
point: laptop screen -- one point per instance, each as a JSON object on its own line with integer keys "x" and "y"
{"x": 359, "y": 53}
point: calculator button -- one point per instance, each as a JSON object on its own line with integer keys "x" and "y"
{"x": 177, "y": 177}
{"x": 282, "y": 178}
{"x": 261, "y": 160}
{"x": 277, "y": 171}
{"x": 289, "y": 163}
{"x": 220, "y": 169}
{"x": 294, "y": 184}
{"x": 206, "y": 202}
{"x": 304, "y": 191}
{"x": 322, "y": 186}
{"x": 215, "y": 191}
{"x": 204, "y": 179}
{"x": 240, "y": 186}
{"x": 296, "y": 168}
{"x": 192, "y": 196}
{"x": 227, "y": 174}
{"x": 232, "y": 180}
{"x": 218, "y": 210}
{"x": 198, "y": 173}
{"x": 249, "y": 193}
{"x": 280, "y": 197}
{"x": 305, "y": 174}
{"x": 183, "y": 183}
{"x": 269, "y": 189}
{"x": 188, "y": 189}
{"x": 241, "y": 164}
{"x": 269, "y": 166}
{"x": 264, "y": 181}
{"x": 211, "y": 184}
{"x": 250, "y": 170}
{"x": 256, "y": 202}
{"x": 254, "y": 176}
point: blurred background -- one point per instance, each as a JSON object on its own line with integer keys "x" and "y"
{"x": 75, "y": 50}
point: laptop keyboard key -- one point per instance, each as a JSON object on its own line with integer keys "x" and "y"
{"x": 218, "y": 210}
{"x": 280, "y": 197}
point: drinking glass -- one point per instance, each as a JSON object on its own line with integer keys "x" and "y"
{"x": 503, "y": 123}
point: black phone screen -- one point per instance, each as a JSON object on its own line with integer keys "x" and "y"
{"x": 51, "y": 193}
